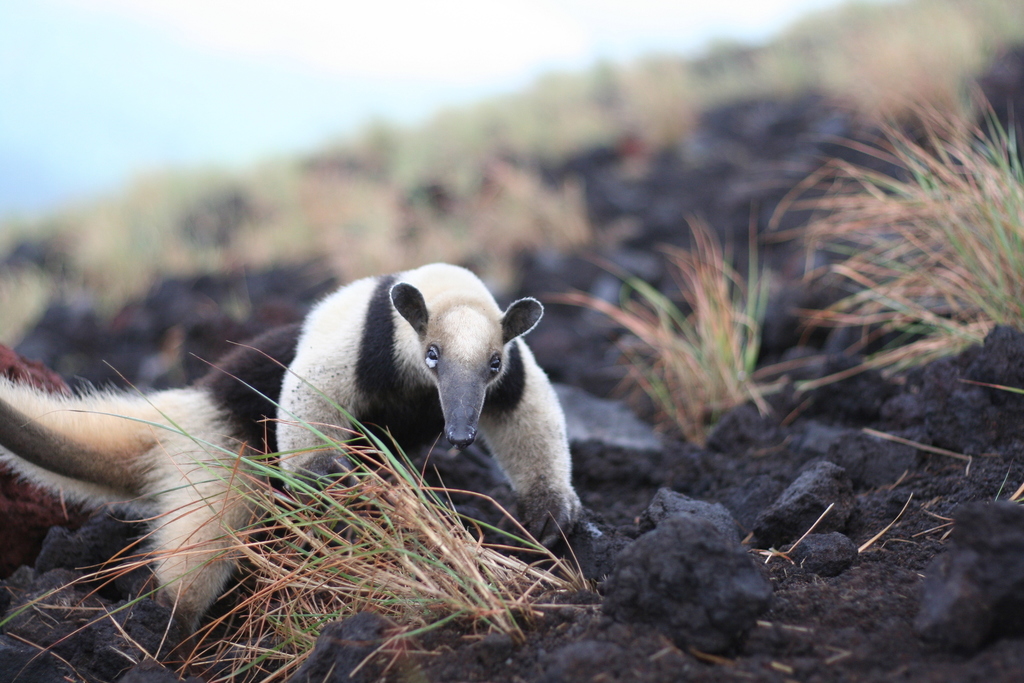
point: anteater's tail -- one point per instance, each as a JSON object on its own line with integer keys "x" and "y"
{"x": 88, "y": 446}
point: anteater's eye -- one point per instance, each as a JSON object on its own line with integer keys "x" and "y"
{"x": 495, "y": 364}
{"x": 432, "y": 356}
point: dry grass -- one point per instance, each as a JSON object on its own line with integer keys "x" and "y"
{"x": 891, "y": 58}
{"x": 383, "y": 542}
{"x": 284, "y": 213}
{"x": 936, "y": 256}
{"x": 698, "y": 364}
{"x": 380, "y": 541}
{"x": 883, "y": 58}
{"x": 115, "y": 247}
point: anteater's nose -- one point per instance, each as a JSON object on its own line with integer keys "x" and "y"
{"x": 461, "y": 437}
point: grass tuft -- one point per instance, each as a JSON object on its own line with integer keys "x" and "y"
{"x": 935, "y": 257}
{"x": 698, "y": 364}
{"x": 380, "y": 541}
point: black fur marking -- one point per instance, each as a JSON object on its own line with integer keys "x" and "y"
{"x": 508, "y": 392}
{"x": 415, "y": 420}
{"x": 376, "y": 368}
{"x": 412, "y": 415}
{"x": 410, "y": 304}
{"x": 521, "y": 317}
{"x": 260, "y": 364}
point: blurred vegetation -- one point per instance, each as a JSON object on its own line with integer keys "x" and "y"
{"x": 698, "y": 362}
{"x": 934, "y": 260}
{"x": 467, "y": 185}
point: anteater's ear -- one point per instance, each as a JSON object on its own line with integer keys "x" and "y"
{"x": 520, "y": 317}
{"x": 408, "y": 301}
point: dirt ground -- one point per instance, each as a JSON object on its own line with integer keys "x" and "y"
{"x": 831, "y": 613}
{"x": 856, "y": 625}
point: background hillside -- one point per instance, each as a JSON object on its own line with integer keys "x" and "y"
{"x": 478, "y": 184}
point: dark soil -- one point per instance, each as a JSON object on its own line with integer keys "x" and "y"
{"x": 894, "y": 611}
{"x": 916, "y": 573}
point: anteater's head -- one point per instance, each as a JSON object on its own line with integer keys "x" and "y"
{"x": 464, "y": 348}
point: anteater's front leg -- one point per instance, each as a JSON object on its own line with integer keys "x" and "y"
{"x": 528, "y": 440}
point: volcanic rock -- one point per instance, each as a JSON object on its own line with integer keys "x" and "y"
{"x": 152, "y": 672}
{"x": 341, "y": 647}
{"x": 667, "y": 504}
{"x": 595, "y": 546}
{"x": 870, "y": 461}
{"x": 974, "y": 592}
{"x": 20, "y": 661}
{"x": 583, "y": 660}
{"x": 685, "y": 579}
{"x": 825, "y": 554}
{"x": 103, "y": 639}
{"x": 611, "y": 423}
{"x": 802, "y": 503}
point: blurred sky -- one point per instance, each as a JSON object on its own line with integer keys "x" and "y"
{"x": 92, "y": 91}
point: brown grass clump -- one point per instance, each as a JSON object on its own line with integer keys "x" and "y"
{"x": 935, "y": 256}
{"x": 694, "y": 364}
{"x": 891, "y": 58}
{"x": 383, "y": 542}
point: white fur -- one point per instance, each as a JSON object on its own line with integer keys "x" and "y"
{"x": 529, "y": 444}
{"x": 177, "y": 442}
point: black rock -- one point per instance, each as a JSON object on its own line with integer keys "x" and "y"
{"x": 825, "y": 554}
{"x": 493, "y": 649}
{"x": 1003, "y": 88}
{"x": 746, "y": 500}
{"x": 22, "y": 663}
{"x": 802, "y": 503}
{"x": 95, "y": 542}
{"x": 102, "y": 639}
{"x": 607, "y": 422}
{"x": 685, "y": 579}
{"x": 153, "y": 672}
{"x": 964, "y": 417}
{"x": 858, "y": 399}
{"x": 341, "y": 647}
{"x": 583, "y": 660}
{"x": 595, "y": 546}
{"x": 870, "y": 461}
{"x": 667, "y": 504}
{"x": 974, "y": 592}
{"x": 98, "y": 541}
{"x": 743, "y": 429}
{"x": 46, "y": 254}
{"x": 816, "y": 439}
{"x": 170, "y": 336}
{"x": 1001, "y": 362}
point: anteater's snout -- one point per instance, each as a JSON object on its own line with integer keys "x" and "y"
{"x": 461, "y": 437}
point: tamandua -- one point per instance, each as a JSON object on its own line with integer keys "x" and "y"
{"x": 416, "y": 353}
